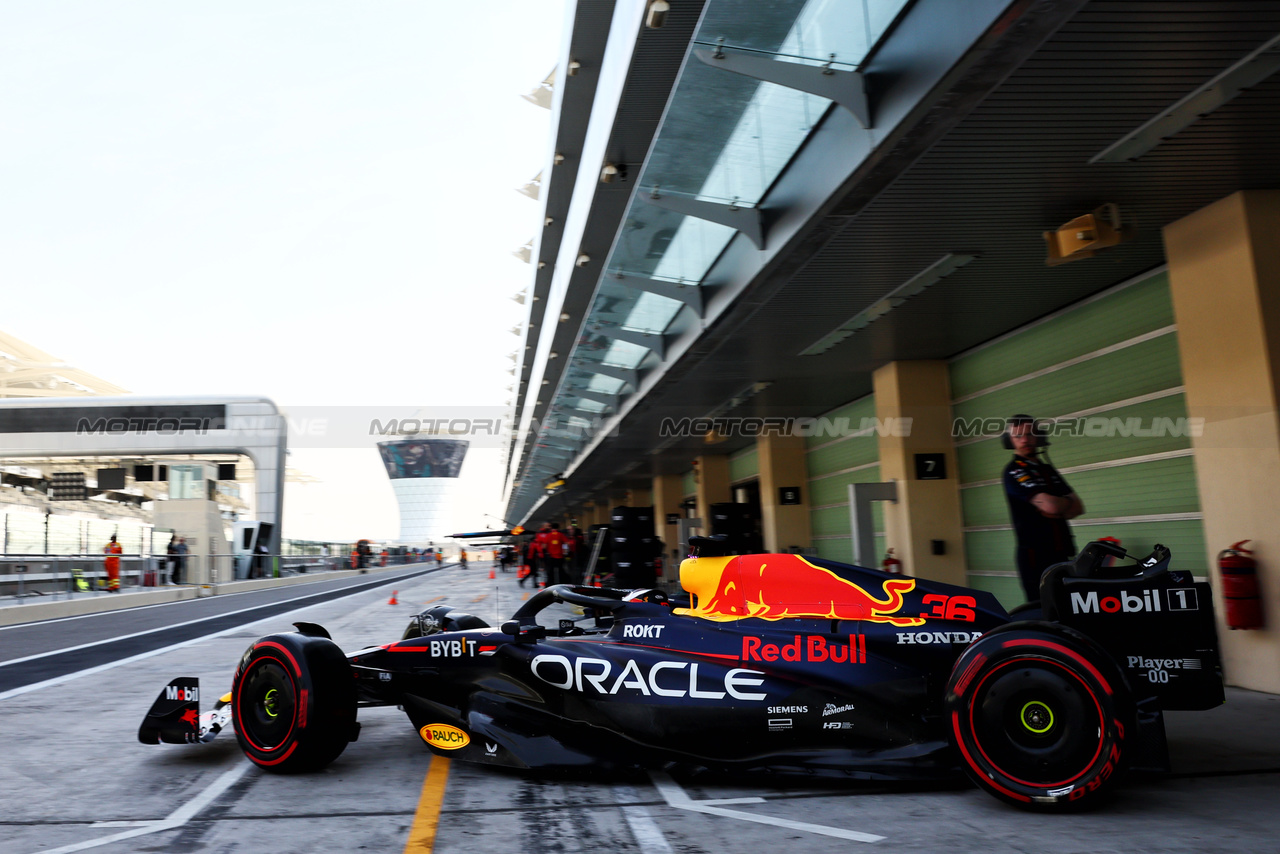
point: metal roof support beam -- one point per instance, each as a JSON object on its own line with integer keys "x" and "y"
{"x": 689, "y": 294}
{"x": 748, "y": 221}
{"x": 846, "y": 88}
{"x": 627, "y": 375}
{"x": 648, "y": 340}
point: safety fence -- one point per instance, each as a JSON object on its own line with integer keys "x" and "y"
{"x": 47, "y": 576}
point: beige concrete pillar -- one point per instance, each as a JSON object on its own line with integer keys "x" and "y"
{"x": 711, "y": 475}
{"x": 913, "y": 407}
{"x": 668, "y": 492}
{"x": 639, "y": 497}
{"x": 782, "y": 465}
{"x": 1224, "y": 274}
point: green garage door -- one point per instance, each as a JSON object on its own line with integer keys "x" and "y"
{"x": 1106, "y": 370}
{"x": 843, "y": 450}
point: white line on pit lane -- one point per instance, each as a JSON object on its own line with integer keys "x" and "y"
{"x": 174, "y": 820}
{"x": 677, "y": 797}
{"x": 646, "y": 831}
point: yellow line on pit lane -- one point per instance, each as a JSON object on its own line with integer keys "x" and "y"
{"x": 422, "y": 836}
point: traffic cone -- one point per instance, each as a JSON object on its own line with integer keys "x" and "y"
{"x": 492, "y": 574}
{"x": 393, "y": 600}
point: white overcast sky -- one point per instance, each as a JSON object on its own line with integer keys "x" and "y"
{"x": 305, "y": 199}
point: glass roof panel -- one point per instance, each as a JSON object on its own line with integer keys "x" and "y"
{"x": 813, "y": 29}
{"x": 608, "y": 385}
{"x": 694, "y": 247}
{"x": 880, "y": 14}
{"x": 726, "y": 138}
{"x": 651, "y": 313}
{"x": 624, "y": 354}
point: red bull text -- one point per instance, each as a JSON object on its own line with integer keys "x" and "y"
{"x": 813, "y": 648}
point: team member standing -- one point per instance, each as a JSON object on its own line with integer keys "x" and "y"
{"x": 113, "y": 550}
{"x": 554, "y": 547}
{"x": 531, "y": 556}
{"x": 1040, "y": 502}
{"x": 171, "y": 558}
{"x": 181, "y": 550}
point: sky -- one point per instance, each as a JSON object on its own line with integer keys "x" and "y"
{"x": 308, "y": 200}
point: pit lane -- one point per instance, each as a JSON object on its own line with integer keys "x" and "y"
{"x": 73, "y": 777}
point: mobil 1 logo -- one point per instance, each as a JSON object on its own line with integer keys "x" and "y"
{"x": 1130, "y": 602}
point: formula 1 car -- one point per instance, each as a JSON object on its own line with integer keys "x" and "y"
{"x": 771, "y": 662}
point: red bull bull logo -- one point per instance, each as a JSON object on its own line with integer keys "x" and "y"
{"x": 778, "y": 586}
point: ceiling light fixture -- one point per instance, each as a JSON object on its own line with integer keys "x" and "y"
{"x": 1250, "y": 71}
{"x": 656, "y": 17}
{"x": 934, "y": 273}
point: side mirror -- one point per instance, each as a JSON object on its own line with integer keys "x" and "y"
{"x": 523, "y": 633}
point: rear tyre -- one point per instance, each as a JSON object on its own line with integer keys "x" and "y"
{"x": 1040, "y": 716}
{"x": 293, "y": 703}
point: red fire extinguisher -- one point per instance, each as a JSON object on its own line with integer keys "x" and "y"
{"x": 891, "y": 563}
{"x": 1240, "y": 587}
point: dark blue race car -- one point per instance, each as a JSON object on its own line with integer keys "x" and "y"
{"x": 769, "y": 662}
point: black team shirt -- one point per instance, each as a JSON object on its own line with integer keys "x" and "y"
{"x": 1023, "y": 480}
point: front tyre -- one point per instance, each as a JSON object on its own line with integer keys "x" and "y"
{"x": 293, "y": 703}
{"x": 1040, "y": 716}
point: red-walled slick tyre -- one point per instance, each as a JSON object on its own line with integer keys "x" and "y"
{"x": 293, "y": 703}
{"x": 1040, "y": 716}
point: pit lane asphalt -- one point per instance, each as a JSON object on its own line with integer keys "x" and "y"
{"x": 73, "y": 778}
{"x": 35, "y": 652}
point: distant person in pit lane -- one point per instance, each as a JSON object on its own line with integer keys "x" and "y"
{"x": 171, "y": 558}
{"x": 555, "y": 546}
{"x": 1040, "y": 503}
{"x": 111, "y": 564}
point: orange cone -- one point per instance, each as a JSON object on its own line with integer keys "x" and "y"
{"x": 492, "y": 575}
{"x": 393, "y": 600}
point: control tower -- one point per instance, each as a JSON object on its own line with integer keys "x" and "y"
{"x": 423, "y": 472}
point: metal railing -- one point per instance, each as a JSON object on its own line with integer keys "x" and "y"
{"x": 24, "y": 577}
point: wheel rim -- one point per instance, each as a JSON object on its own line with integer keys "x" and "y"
{"x": 1037, "y": 717}
{"x": 1037, "y": 724}
{"x": 266, "y": 704}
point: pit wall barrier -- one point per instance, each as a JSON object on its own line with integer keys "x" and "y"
{"x": 49, "y": 587}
